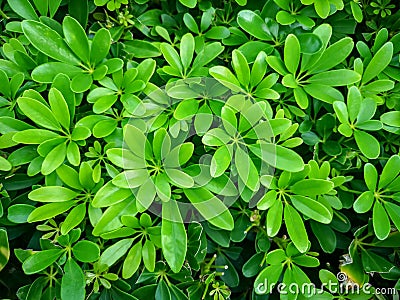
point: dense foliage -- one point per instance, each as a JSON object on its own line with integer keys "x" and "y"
{"x": 205, "y": 149}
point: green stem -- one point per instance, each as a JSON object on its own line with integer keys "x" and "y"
{"x": 4, "y": 15}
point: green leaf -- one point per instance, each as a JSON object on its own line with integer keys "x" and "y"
{"x": 135, "y": 140}
{"x": 115, "y": 252}
{"x": 335, "y": 78}
{"x": 100, "y": 46}
{"x": 370, "y": 176}
{"x": 5, "y": 165}
{"x": 324, "y": 92}
{"x": 210, "y": 207}
{"x": 179, "y": 178}
{"x": 186, "y": 109}
{"x": 390, "y": 171}
{"x": 41, "y": 260}
{"x": 163, "y": 290}
{"x": 171, "y": 56}
{"x": 76, "y": 38}
{"x": 278, "y": 157}
{"x": 378, "y": 63}
{"x": 187, "y": 50}
{"x": 322, "y": 7}
{"x": 81, "y": 83}
{"x": 354, "y": 100}
{"x": 145, "y": 195}
{"x": 391, "y": 118}
{"x": 47, "y": 72}
{"x": 368, "y": 145}
{"x": 292, "y": 53}
{"x": 48, "y": 41}
{"x": 109, "y": 194}
{"x": 86, "y": 251}
{"x": 333, "y": 55}
{"x": 130, "y": 179}
{"x": 49, "y": 211}
{"x": 221, "y": 160}
{"x": 5, "y": 248}
{"x": 269, "y": 275}
{"x": 52, "y": 194}
{"x": 325, "y": 235}
{"x": 364, "y": 202}
{"x": 74, "y": 218}
{"x": 59, "y": 107}
{"x": 254, "y": 25}
{"x": 393, "y": 211}
{"x": 173, "y": 236}
{"x": 225, "y": 76}
{"x": 189, "y": 3}
{"x": 149, "y": 255}
{"x": 259, "y": 69}
{"x": 18, "y": 213}
{"x": 142, "y": 49}
{"x": 367, "y": 111}
{"x": 207, "y": 54}
{"x": 310, "y": 43}
{"x": 312, "y": 209}
{"x": 246, "y": 169}
{"x": 375, "y": 263}
{"x": 132, "y": 261}
{"x": 190, "y": 23}
{"x": 274, "y": 218}
{"x": 38, "y": 113}
{"x": 380, "y": 221}
{"x": 111, "y": 218}
{"x": 312, "y": 187}
{"x": 73, "y": 281}
{"x": 241, "y": 67}
{"x": 295, "y": 227}
{"x": 54, "y": 158}
{"x": 23, "y": 8}
{"x": 341, "y": 112}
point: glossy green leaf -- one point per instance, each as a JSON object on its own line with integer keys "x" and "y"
{"x": 368, "y": 145}
{"x": 48, "y": 41}
{"x": 132, "y": 261}
{"x": 76, "y": 38}
{"x": 41, "y": 260}
{"x": 296, "y": 228}
{"x": 380, "y": 221}
{"x": 173, "y": 236}
{"x": 39, "y": 113}
{"x": 210, "y": 207}
{"x": 378, "y": 63}
{"x": 312, "y": 209}
{"x": 254, "y": 25}
{"x": 73, "y": 282}
{"x": 5, "y": 248}
{"x": 292, "y": 53}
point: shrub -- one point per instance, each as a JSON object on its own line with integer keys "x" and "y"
{"x": 199, "y": 149}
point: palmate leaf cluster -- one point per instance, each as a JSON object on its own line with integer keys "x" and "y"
{"x": 191, "y": 149}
